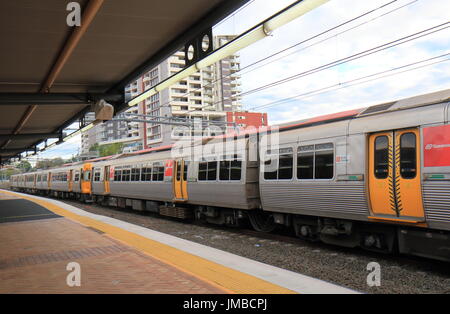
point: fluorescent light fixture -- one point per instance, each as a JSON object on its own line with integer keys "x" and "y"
{"x": 72, "y": 135}
{"x": 291, "y": 14}
{"x": 259, "y": 32}
{"x": 234, "y": 46}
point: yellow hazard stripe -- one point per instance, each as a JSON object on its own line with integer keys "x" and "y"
{"x": 227, "y": 279}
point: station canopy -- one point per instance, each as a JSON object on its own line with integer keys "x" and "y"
{"x": 51, "y": 73}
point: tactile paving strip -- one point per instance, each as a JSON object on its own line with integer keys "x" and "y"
{"x": 62, "y": 256}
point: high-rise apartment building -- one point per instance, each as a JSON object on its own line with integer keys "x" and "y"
{"x": 208, "y": 95}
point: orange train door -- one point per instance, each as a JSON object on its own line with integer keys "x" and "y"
{"x": 70, "y": 179}
{"x": 106, "y": 175}
{"x": 85, "y": 178}
{"x": 395, "y": 176}
{"x": 180, "y": 180}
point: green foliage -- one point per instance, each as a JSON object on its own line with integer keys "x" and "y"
{"x": 24, "y": 165}
{"x": 107, "y": 149}
{"x": 6, "y": 173}
{"x": 50, "y": 163}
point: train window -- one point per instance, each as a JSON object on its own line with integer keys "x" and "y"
{"x": 315, "y": 161}
{"x": 202, "y": 170}
{"x": 230, "y": 168}
{"x": 305, "y": 165}
{"x": 77, "y": 177}
{"x": 126, "y": 174}
{"x": 270, "y": 175}
{"x": 381, "y": 157}
{"x": 212, "y": 170}
{"x": 408, "y": 163}
{"x": 324, "y": 164}
{"x": 146, "y": 174}
{"x": 97, "y": 176}
{"x": 285, "y": 164}
{"x": 158, "y": 173}
{"x": 207, "y": 170}
{"x": 117, "y": 175}
{"x": 135, "y": 174}
{"x": 283, "y": 168}
{"x": 236, "y": 170}
{"x": 224, "y": 170}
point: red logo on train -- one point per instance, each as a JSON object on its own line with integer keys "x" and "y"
{"x": 169, "y": 168}
{"x": 436, "y": 143}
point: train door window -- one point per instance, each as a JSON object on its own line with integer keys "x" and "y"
{"x": 38, "y": 178}
{"x": 202, "y": 171}
{"x": 77, "y": 177}
{"x": 408, "y": 159}
{"x": 381, "y": 157}
{"x": 126, "y": 174}
{"x": 117, "y": 175}
{"x": 146, "y": 173}
{"x": 324, "y": 161}
{"x": 87, "y": 175}
{"x": 185, "y": 170}
{"x": 285, "y": 163}
{"x": 305, "y": 162}
{"x": 135, "y": 174}
{"x": 178, "y": 170}
{"x": 212, "y": 170}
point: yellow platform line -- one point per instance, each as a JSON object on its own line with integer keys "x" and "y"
{"x": 227, "y": 279}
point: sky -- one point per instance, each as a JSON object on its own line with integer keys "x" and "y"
{"x": 389, "y": 21}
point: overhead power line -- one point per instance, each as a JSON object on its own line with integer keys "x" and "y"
{"x": 356, "y": 81}
{"x": 353, "y": 57}
{"x": 166, "y": 104}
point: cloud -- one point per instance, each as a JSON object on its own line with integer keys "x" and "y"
{"x": 380, "y": 27}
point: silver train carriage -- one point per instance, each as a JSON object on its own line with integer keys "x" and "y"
{"x": 377, "y": 177}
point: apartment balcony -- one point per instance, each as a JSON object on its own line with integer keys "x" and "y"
{"x": 178, "y": 93}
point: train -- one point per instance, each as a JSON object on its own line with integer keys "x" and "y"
{"x": 377, "y": 178}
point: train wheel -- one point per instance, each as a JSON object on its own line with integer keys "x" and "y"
{"x": 261, "y": 221}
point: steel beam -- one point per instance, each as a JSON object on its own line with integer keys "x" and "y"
{"x": 208, "y": 20}
{"x": 55, "y": 98}
{"x": 29, "y": 136}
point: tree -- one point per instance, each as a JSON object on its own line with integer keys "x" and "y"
{"x": 49, "y": 163}
{"x": 24, "y": 165}
{"x": 5, "y": 174}
{"x": 107, "y": 149}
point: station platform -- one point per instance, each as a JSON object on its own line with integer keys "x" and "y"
{"x": 39, "y": 237}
